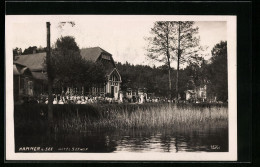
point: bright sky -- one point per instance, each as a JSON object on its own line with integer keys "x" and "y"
{"x": 122, "y": 36}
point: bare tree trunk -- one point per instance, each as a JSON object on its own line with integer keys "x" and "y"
{"x": 50, "y": 80}
{"x": 169, "y": 65}
{"x": 178, "y": 63}
{"x": 169, "y": 77}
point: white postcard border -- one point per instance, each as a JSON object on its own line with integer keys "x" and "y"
{"x": 200, "y": 156}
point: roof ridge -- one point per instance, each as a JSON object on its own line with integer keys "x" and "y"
{"x": 41, "y": 53}
{"x": 98, "y": 47}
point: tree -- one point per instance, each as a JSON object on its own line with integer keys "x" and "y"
{"x": 50, "y": 71}
{"x": 41, "y": 49}
{"x": 16, "y": 52}
{"x": 185, "y": 43}
{"x": 70, "y": 69}
{"x": 154, "y": 79}
{"x": 160, "y": 46}
{"x": 217, "y": 72}
{"x": 196, "y": 70}
{"x": 30, "y": 50}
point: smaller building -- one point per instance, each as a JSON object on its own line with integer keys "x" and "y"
{"x": 198, "y": 94}
{"x": 136, "y": 95}
{"x": 23, "y": 81}
{"x": 190, "y": 95}
{"x": 202, "y": 93}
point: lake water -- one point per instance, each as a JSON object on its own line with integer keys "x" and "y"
{"x": 212, "y": 138}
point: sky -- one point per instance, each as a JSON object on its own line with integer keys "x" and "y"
{"x": 122, "y": 36}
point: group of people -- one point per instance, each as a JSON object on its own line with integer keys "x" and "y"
{"x": 88, "y": 99}
{"x": 74, "y": 99}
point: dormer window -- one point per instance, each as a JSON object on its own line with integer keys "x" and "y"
{"x": 106, "y": 57}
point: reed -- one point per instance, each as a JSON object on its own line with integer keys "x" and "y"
{"x": 77, "y": 118}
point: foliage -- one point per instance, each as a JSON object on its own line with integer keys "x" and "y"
{"x": 16, "y": 52}
{"x": 41, "y": 49}
{"x": 217, "y": 72}
{"x": 186, "y": 41}
{"x": 70, "y": 69}
{"x": 139, "y": 76}
{"x": 161, "y": 41}
{"x": 29, "y": 50}
{"x": 160, "y": 46}
{"x": 197, "y": 73}
{"x": 154, "y": 79}
{"x": 185, "y": 44}
{"x": 175, "y": 40}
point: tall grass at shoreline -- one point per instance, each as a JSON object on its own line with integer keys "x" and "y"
{"x": 77, "y": 118}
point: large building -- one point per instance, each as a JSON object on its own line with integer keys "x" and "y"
{"x": 35, "y": 63}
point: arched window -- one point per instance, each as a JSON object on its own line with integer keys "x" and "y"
{"x": 114, "y": 77}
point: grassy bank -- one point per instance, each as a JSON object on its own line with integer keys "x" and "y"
{"x": 78, "y": 118}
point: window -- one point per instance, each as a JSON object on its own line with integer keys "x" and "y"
{"x": 30, "y": 87}
{"x": 106, "y": 57}
{"x": 114, "y": 77}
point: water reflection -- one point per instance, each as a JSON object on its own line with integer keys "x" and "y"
{"x": 209, "y": 139}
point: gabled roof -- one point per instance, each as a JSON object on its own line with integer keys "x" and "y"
{"x": 40, "y": 76}
{"x": 116, "y": 71}
{"x": 33, "y": 61}
{"x": 21, "y": 70}
{"x": 92, "y": 54}
{"x": 190, "y": 91}
{"x": 36, "y": 61}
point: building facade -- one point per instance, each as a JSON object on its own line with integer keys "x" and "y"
{"x": 112, "y": 87}
{"x": 35, "y": 63}
{"x": 198, "y": 94}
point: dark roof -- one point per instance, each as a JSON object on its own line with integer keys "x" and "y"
{"x": 33, "y": 61}
{"x": 190, "y": 91}
{"x": 92, "y": 54}
{"x": 39, "y": 75}
{"x": 109, "y": 69}
{"x": 21, "y": 70}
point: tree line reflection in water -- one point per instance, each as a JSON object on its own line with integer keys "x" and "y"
{"x": 175, "y": 139}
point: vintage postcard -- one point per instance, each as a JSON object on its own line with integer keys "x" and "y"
{"x": 121, "y": 87}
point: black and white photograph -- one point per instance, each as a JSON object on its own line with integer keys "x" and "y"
{"x": 121, "y": 87}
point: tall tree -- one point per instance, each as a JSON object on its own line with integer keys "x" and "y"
{"x": 70, "y": 69}
{"x": 217, "y": 72}
{"x": 196, "y": 70}
{"x": 185, "y": 42}
{"x": 50, "y": 73}
{"x": 160, "y": 46}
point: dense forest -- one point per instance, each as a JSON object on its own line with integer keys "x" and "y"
{"x": 154, "y": 79}
{"x": 212, "y": 73}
